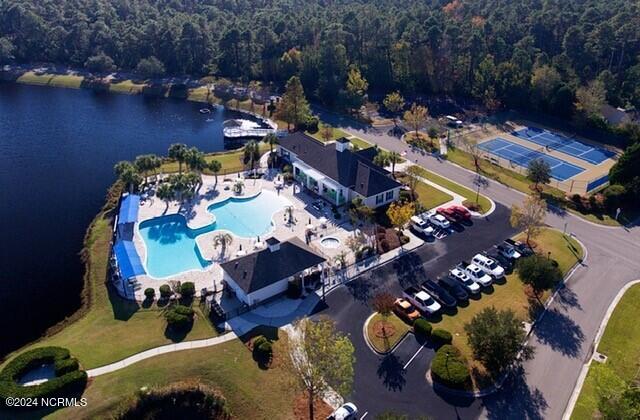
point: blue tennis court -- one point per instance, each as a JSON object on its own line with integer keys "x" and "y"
{"x": 564, "y": 144}
{"x": 521, "y": 156}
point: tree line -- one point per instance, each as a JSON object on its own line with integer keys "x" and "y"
{"x": 545, "y": 55}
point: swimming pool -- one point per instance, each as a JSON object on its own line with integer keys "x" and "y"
{"x": 171, "y": 244}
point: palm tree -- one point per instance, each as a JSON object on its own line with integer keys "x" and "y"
{"x": 382, "y": 158}
{"x": 215, "y": 166}
{"x": 222, "y": 240}
{"x": 341, "y": 259}
{"x": 251, "y": 153}
{"x": 165, "y": 193}
{"x": 178, "y": 151}
{"x": 127, "y": 174}
{"x": 195, "y": 160}
{"x": 394, "y": 158}
{"x": 271, "y": 139}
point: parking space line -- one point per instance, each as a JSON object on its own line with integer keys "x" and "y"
{"x": 413, "y": 357}
{"x": 364, "y": 415}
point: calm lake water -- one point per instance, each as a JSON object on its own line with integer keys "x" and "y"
{"x": 57, "y": 151}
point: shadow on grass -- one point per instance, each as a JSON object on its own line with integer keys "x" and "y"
{"x": 123, "y": 309}
{"x": 391, "y": 371}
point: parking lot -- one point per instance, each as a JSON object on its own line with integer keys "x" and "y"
{"x": 401, "y": 374}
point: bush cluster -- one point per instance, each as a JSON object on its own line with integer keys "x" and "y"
{"x": 165, "y": 291}
{"x": 388, "y": 239}
{"x": 68, "y": 375}
{"x": 262, "y": 346}
{"x": 187, "y": 289}
{"x": 449, "y": 368}
{"x": 179, "y": 317}
{"x": 441, "y": 336}
{"x": 149, "y": 293}
{"x": 422, "y": 327}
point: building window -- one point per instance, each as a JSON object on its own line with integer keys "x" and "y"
{"x": 379, "y": 198}
{"x": 389, "y": 196}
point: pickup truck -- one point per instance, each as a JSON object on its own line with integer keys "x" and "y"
{"x": 508, "y": 251}
{"x": 521, "y": 247}
{"x": 475, "y": 273}
{"x": 454, "y": 288}
{"x": 421, "y": 300}
{"x": 439, "y": 293}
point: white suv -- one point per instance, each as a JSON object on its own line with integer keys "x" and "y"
{"x": 421, "y": 226}
{"x": 476, "y": 274}
{"x": 461, "y": 277}
{"x": 488, "y": 265}
{"x": 421, "y": 300}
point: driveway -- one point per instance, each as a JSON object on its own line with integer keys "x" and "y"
{"x": 563, "y": 339}
{"x": 381, "y": 382}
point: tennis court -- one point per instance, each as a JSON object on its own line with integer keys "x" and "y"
{"x": 521, "y": 156}
{"x": 564, "y": 144}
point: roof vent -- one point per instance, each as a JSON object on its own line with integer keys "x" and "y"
{"x": 236, "y": 265}
{"x": 244, "y": 274}
{"x": 274, "y": 244}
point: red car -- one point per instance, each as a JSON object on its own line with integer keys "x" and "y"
{"x": 450, "y": 214}
{"x": 462, "y": 212}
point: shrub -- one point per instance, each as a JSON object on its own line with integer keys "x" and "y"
{"x": 265, "y": 348}
{"x": 404, "y": 239}
{"x": 406, "y": 196}
{"x": 187, "y": 289}
{"x": 422, "y": 327}
{"x": 259, "y": 340}
{"x": 311, "y": 124}
{"x": 449, "y": 369}
{"x": 179, "y": 317}
{"x": 441, "y": 336}
{"x": 67, "y": 374}
{"x": 614, "y": 196}
{"x": 149, "y": 293}
{"x": 165, "y": 291}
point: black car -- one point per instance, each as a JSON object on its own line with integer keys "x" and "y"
{"x": 439, "y": 293}
{"x": 454, "y": 288}
{"x": 506, "y": 263}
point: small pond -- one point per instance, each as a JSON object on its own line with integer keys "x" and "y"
{"x": 38, "y": 375}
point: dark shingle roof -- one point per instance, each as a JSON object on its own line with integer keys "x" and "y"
{"x": 352, "y": 169}
{"x": 261, "y": 269}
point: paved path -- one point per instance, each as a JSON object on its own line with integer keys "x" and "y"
{"x": 169, "y": 348}
{"x": 563, "y": 339}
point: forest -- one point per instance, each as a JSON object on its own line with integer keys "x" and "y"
{"x": 527, "y": 53}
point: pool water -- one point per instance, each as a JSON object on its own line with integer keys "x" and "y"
{"x": 330, "y": 242}
{"x": 171, "y": 244}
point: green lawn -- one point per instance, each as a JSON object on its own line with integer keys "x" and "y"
{"x": 251, "y": 392}
{"x": 380, "y": 343}
{"x": 114, "y": 328}
{"x": 336, "y": 133}
{"x": 621, "y": 344}
{"x": 510, "y": 295}
{"x": 468, "y": 194}
{"x": 127, "y": 86}
{"x": 231, "y": 161}
{"x": 428, "y": 196}
{"x": 46, "y": 79}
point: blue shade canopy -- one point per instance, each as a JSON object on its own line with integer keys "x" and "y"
{"x": 128, "y": 259}
{"x": 129, "y": 209}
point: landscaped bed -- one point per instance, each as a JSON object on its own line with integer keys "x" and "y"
{"x": 429, "y": 196}
{"x": 509, "y": 294}
{"x": 383, "y": 340}
{"x": 621, "y": 344}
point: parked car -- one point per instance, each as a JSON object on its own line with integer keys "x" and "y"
{"x": 449, "y": 214}
{"x": 454, "y": 288}
{"x": 462, "y": 212}
{"x": 521, "y": 247}
{"x": 508, "y": 251}
{"x": 439, "y": 221}
{"x": 405, "y": 310}
{"x": 421, "y": 300}
{"x": 463, "y": 279}
{"x": 421, "y": 226}
{"x": 488, "y": 265}
{"x": 347, "y": 411}
{"x": 506, "y": 263}
{"x": 439, "y": 293}
{"x": 476, "y": 274}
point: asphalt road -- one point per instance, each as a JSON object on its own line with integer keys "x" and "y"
{"x": 563, "y": 339}
{"x": 382, "y": 383}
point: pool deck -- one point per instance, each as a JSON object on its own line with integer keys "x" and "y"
{"x": 197, "y": 216}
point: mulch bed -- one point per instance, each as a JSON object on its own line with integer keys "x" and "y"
{"x": 321, "y": 410}
{"x": 389, "y": 329}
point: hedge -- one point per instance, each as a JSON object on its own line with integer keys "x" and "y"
{"x": 149, "y": 293}
{"x": 165, "y": 291}
{"x": 441, "y": 336}
{"x": 188, "y": 289}
{"x": 449, "y": 369}
{"x": 179, "y": 317}
{"x": 422, "y": 327}
{"x": 67, "y": 374}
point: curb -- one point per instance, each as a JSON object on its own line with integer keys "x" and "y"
{"x": 596, "y": 341}
{"x": 371, "y": 347}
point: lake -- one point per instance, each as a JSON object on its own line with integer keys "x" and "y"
{"x": 57, "y": 151}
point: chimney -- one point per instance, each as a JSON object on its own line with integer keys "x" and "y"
{"x": 343, "y": 144}
{"x": 273, "y": 244}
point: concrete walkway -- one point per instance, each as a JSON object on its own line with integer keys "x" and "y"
{"x": 169, "y": 348}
